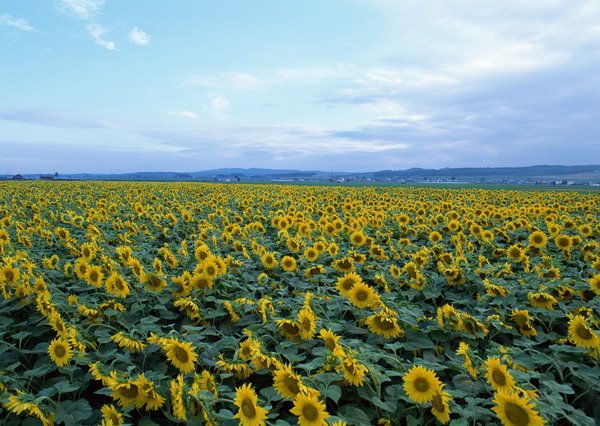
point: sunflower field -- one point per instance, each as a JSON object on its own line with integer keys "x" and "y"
{"x": 163, "y": 303}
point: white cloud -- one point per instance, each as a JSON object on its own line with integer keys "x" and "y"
{"x": 97, "y": 32}
{"x": 19, "y": 23}
{"x": 219, "y": 102}
{"x": 139, "y": 37}
{"x": 185, "y": 114}
{"x": 82, "y": 9}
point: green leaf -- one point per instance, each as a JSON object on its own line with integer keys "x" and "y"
{"x": 354, "y": 415}
{"x": 73, "y": 413}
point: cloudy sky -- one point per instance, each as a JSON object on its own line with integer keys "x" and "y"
{"x": 119, "y": 86}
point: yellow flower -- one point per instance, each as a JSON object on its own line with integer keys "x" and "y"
{"x": 249, "y": 413}
{"x": 498, "y": 376}
{"x": 363, "y": 296}
{"x": 330, "y": 338}
{"x": 344, "y": 284}
{"x": 309, "y": 410}
{"x": 421, "y": 384}
{"x": 542, "y": 300}
{"x": 463, "y": 349}
{"x": 515, "y": 411}
{"x": 440, "y": 406}
{"x": 177, "y": 402}
{"x": 287, "y": 383}
{"x": 268, "y": 260}
{"x": 94, "y": 275}
{"x": 181, "y": 355}
{"x": 9, "y": 274}
{"x": 354, "y": 371}
{"x": 116, "y": 285}
{"x": 289, "y": 329}
{"x": 288, "y": 263}
{"x": 384, "y": 324}
{"x": 60, "y": 351}
{"x": 111, "y": 416}
{"x": 581, "y": 334}
{"x": 128, "y": 343}
{"x": 308, "y": 323}
{"x": 538, "y": 239}
{"x": 595, "y": 283}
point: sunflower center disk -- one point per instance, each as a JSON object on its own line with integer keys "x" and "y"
{"x": 421, "y": 384}
{"x": 362, "y": 295}
{"x": 516, "y": 414}
{"x": 181, "y": 354}
{"x": 310, "y": 412}
{"x": 498, "y": 377}
{"x": 248, "y": 408}
{"x": 59, "y": 351}
{"x": 292, "y": 385}
{"x": 384, "y": 324}
{"x": 437, "y": 402}
{"x": 583, "y": 332}
{"x": 129, "y": 391}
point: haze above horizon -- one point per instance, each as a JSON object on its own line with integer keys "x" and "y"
{"x": 111, "y": 87}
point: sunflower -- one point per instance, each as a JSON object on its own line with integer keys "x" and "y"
{"x": 581, "y": 334}
{"x": 249, "y": 413}
{"x": 421, "y": 384}
{"x": 60, "y": 351}
{"x": 516, "y": 253}
{"x": 127, "y": 393}
{"x": 441, "y": 407}
{"x": 111, "y": 416}
{"x": 463, "y": 349}
{"x": 362, "y": 295}
{"x": 330, "y": 338}
{"x": 311, "y": 254}
{"x": 9, "y": 274}
{"x": 384, "y": 325}
{"x": 4, "y": 237}
{"x": 116, "y": 285}
{"x": 177, "y": 401}
{"x": 287, "y": 383}
{"x": 523, "y": 320}
{"x": 309, "y": 410}
{"x": 563, "y": 242}
{"x": 344, "y": 284}
{"x": 515, "y": 411}
{"x": 542, "y": 300}
{"x": 586, "y": 230}
{"x": 62, "y": 233}
{"x": 289, "y": 328}
{"x": 538, "y": 239}
{"x": 344, "y": 265}
{"x": 595, "y": 283}
{"x": 357, "y": 238}
{"x": 288, "y": 263}
{"x": 354, "y": 371}
{"x": 308, "y": 323}
{"x": 153, "y": 282}
{"x": 181, "y": 355}
{"x": 123, "y": 341}
{"x": 498, "y": 376}
{"x": 434, "y": 237}
{"x": 94, "y": 275}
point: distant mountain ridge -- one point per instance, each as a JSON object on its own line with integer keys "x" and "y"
{"x": 581, "y": 172}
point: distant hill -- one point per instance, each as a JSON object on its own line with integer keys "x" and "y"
{"x": 530, "y": 171}
{"x": 581, "y": 174}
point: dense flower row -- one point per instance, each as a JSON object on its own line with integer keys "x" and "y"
{"x": 265, "y": 304}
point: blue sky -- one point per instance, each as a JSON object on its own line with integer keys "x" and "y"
{"x": 120, "y": 86}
